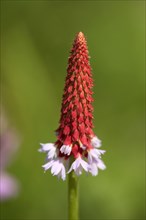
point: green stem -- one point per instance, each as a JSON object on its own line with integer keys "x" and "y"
{"x": 72, "y": 196}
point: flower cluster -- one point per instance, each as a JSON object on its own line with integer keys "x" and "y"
{"x": 76, "y": 140}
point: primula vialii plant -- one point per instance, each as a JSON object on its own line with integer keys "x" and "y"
{"x": 76, "y": 147}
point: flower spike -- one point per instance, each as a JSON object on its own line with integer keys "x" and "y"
{"x": 75, "y": 137}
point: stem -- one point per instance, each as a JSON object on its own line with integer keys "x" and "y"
{"x": 72, "y": 196}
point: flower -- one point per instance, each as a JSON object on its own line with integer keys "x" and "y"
{"x": 78, "y": 165}
{"x": 95, "y": 142}
{"x": 9, "y": 143}
{"x": 9, "y": 186}
{"x": 93, "y": 167}
{"x": 94, "y": 154}
{"x": 66, "y": 149}
{"x": 50, "y": 149}
{"x": 76, "y": 140}
{"x": 94, "y": 161}
{"x": 57, "y": 168}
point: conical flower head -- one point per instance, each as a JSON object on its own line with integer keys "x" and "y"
{"x": 75, "y": 137}
{"x": 76, "y": 113}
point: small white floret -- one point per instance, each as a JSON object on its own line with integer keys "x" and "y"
{"x": 57, "y": 168}
{"x": 50, "y": 148}
{"x": 101, "y": 165}
{"x": 94, "y": 166}
{"x": 94, "y": 154}
{"x": 93, "y": 169}
{"x": 47, "y": 165}
{"x": 78, "y": 165}
{"x": 46, "y": 147}
{"x": 95, "y": 142}
{"x": 66, "y": 149}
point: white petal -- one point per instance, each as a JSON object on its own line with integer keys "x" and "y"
{"x": 94, "y": 155}
{"x": 78, "y": 165}
{"x": 47, "y": 165}
{"x": 101, "y": 165}
{"x": 50, "y": 148}
{"x": 52, "y": 153}
{"x": 69, "y": 150}
{"x": 46, "y": 147}
{"x": 93, "y": 169}
{"x": 95, "y": 142}
{"x": 90, "y": 157}
{"x": 63, "y": 174}
{"x": 58, "y": 169}
{"x": 55, "y": 168}
{"x": 62, "y": 149}
{"x": 85, "y": 165}
{"x": 101, "y": 151}
{"x": 66, "y": 149}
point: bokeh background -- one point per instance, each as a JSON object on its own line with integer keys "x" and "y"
{"x": 36, "y": 37}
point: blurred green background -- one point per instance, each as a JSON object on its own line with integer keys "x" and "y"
{"x": 36, "y": 39}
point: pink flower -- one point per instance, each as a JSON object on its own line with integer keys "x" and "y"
{"x": 9, "y": 186}
{"x": 75, "y": 136}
